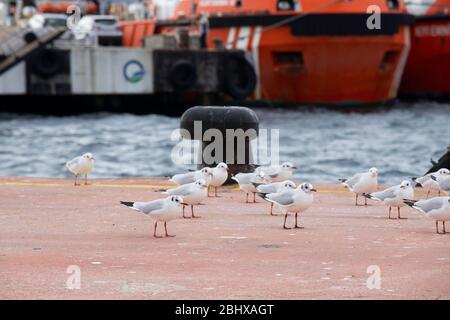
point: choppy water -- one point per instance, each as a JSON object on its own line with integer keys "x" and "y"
{"x": 324, "y": 144}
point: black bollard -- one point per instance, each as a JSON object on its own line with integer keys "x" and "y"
{"x": 443, "y": 162}
{"x": 233, "y": 149}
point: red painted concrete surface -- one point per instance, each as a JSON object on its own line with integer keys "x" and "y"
{"x": 235, "y": 251}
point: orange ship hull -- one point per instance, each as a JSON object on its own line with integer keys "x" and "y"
{"x": 322, "y": 69}
{"x": 427, "y": 73}
{"x": 329, "y": 56}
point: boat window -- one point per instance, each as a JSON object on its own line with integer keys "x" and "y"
{"x": 392, "y": 4}
{"x": 106, "y": 22}
{"x": 286, "y": 5}
{"x": 288, "y": 58}
{"x": 55, "y": 22}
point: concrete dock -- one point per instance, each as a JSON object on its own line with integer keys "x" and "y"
{"x": 234, "y": 251}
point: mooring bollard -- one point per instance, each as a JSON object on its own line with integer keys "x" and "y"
{"x": 225, "y": 134}
{"x": 443, "y": 162}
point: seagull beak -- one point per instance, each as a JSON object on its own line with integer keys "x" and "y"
{"x": 314, "y": 190}
{"x": 294, "y": 167}
{"x": 184, "y": 204}
{"x": 402, "y": 187}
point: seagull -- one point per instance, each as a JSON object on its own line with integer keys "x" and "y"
{"x": 435, "y": 208}
{"x": 428, "y": 183}
{"x": 81, "y": 165}
{"x": 192, "y": 176}
{"x": 162, "y": 210}
{"x": 366, "y": 182}
{"x": 192, "y": 194}
{"x": 393, "y": 196}
{"x": 297, "y": 200}
{"x": 219, "y": 176}
{"x": 278, "y": 173}
{"x": 246, "y": 180}
{"x": 443, "y": 180}
{"x": 274, "y": 188}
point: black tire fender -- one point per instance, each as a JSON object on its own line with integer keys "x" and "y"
{"x": 182, "y": 75}
{"x": 240, "y": 77}
{"x": 47, "y": 63}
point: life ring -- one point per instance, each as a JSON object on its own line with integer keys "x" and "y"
{"x": 240, "y": 78}
{"x": 47, "y": 63}
{"x": 182, "y": 75}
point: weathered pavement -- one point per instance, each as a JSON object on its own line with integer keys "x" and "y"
{"x": 234, "y": 251}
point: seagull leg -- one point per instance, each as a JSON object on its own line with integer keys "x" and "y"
{"x": 271, "y": 209}
{"x": 76, "y": 180}
{"x": 285, "y": 218}
{"x": 296, "y": 225}
{"x": 184, "y": 207}
{"x": 192, "y": 212}
{"x": 165, "y": 229}
{"x": 390, "y": 210}
{"x": 398, "y": 214}
{"x": 154, "y": 230}
{"x": 209, "y": 187}
{"x": 437, "y": 227}
{"x": 356, "y": 201}
{"x": 428, "y": 193}
{"x": 443, "y": 225}
{"x": 365, "y": 201}
{"x": 246, "y": 200}
{"x": 85, "y": 180}
{"x": 254, "y": 197}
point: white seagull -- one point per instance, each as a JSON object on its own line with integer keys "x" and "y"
{"x": 393, "y": 196}
{"x": 192, "y": 176}
{"x": 162, "y": 210}
{"x": 81, "y": 165}
{"x": 360, "y": 183}
{"x": 246, "y": 180}
{"x": 192, "y": 194}
{"x": 219, "y": 176}
{"x": 297, "y": 200}
{"x": 443, "y": 180}
{"x": 278, "y": 173}
{"x": 428, "y": 183}
{"x": 435, "y": 208}
{"x": 274, "y": 188}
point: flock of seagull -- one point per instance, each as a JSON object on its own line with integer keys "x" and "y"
{"x": 273, "y": 184}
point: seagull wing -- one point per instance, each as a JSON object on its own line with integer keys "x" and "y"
{"x": 350, "y": 182}
{"x": 389, "y": 193}
{"x": 283, "y": 198}
{"x": 183, "y": 190}
{"x": 426, "y": 206}
{"x": 149, "y": 207}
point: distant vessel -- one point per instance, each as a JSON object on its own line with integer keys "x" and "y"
{"x": 427, "y": 73}
{"x": 311, "y": 51}
{"x": 49, "y": 6}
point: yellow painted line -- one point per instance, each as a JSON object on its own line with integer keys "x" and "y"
{"x": 107, "y": 185}
{"x": 101, "y": 185}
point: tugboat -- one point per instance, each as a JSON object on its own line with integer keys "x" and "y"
{"x": 427, "y": 72}
{"x": 310, "y": 51}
